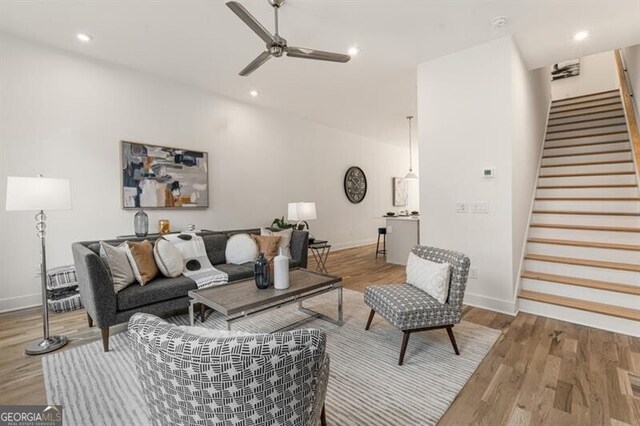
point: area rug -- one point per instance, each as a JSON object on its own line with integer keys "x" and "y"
{"x": 366, "y": 386}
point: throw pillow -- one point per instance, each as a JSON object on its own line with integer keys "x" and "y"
{"x": 118, "y": 264}
{"x": 241, "y": 248}
{"x": 142, "y": 262}
{"x": 168, "y": 258}
{"x": 267, "y": 245}
{"x": 285, "y": 239}
{"x": 430, "y": 277}
{"x": 212, "y": 333}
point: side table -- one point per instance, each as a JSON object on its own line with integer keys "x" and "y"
{"x": 320, "y": 250}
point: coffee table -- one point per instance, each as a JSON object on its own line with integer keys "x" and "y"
{"x": 240, "y": 299}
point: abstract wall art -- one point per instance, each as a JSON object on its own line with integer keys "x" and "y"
{"x": 565, "y": 69}
{"x": 400, "y": 192}
{"x": 163, "y": 178}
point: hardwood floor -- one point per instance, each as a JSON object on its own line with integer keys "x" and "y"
{"x": 541, "y": 371}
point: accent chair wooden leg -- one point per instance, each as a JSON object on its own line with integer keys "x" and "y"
{"x": 105, "y": 338}
{"x": 323, "y": 417}
{"x": 453, "y": 339}
{"x": 202, "y": 312}
{"x": 371, "y": 314}
{"x": 403, "y": 349}
{"x": 89, "y": 320}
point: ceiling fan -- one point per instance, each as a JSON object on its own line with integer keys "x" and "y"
{"x": 277, "y": 45}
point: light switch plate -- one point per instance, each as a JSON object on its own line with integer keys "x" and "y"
{"x": 480, "y": 207}
{"x": 473, "y": 273}
{"x": 461, "y": 207}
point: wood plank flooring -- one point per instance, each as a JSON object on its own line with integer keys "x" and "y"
{"x": 541, "y": 371}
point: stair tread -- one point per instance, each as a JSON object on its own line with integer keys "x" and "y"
{"x": 584, "y": 262}
{"x": 584, "y": 113}
{"x": 586, "y": 96}
{"x": 587, "y": 198}
{"x": 585, "y": 227}
{"x": 588, "y": 163}
{"x": 578, "y": 145}
{"x": 613, "y": 185}
{"x": 606, "y": 98}
{"x": 586, "y": 107}
{"x": 587, "y": 174}
{"x": 601, "y": 126}
{"x": 591, "y": 135}
{"x": 586, "y": 213}
{"x": 594, "y": 244}
{"x": 584, "y": 305}
{"x": 583, "y": 282}
{"x": 613, "y": 117}
{"x": 581, "y": 154}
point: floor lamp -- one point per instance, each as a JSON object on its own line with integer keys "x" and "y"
{"x": 40, "y": 194}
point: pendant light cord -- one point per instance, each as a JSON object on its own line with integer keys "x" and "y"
{"x": 410, "y": 153}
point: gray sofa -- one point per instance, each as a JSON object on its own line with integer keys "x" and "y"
{"x": 162, "y": 295}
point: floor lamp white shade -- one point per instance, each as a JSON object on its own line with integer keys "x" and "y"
{"x": 40, "y": 194}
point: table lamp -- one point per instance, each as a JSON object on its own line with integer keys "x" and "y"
{"x": 40, "y": 194}
{"x": 301, "y": 212}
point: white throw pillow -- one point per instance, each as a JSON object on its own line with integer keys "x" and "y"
{"x": 119, "y": 265}
{"x": 241, "y": 248}
{"x": 168, "y": 258}
{"x": 212, "y": 333}
{"x": 430, "y": 277}
{"x": 285, "y": 239}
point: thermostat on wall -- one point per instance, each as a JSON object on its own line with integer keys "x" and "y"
{"x": 488, "y": 172}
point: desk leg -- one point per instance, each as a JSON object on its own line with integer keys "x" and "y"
{"x": 191, "y": 320}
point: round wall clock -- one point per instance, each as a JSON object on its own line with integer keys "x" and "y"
{"x": 355, "y": 184}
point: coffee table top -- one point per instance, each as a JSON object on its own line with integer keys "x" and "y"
{"x": 239, "y": 296}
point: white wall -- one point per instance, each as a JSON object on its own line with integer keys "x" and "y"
{"x": 597, "y": 74}
{"x": 64, "y": 116}
{"x": 480, "y": 108}
{"x": 631, "y": 57}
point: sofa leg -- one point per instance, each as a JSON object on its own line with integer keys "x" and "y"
{"x": 202, "y": 312}
{"x": 323, "y": 417}
{"x": 371, "y": 314}
{"x": 105, "y": 338}
{"x": 403, "y": 349}
{"x": 453, "y": 339}
{"x": 89, "y": 320}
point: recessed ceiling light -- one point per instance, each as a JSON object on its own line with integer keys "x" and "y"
{"x": 85, "y": 38}
{"x": 353, "y": 51}
{"x": 253, "y": 93}
{"x": 581, "y": 35}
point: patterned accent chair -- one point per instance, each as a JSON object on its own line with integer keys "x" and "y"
{"x": 411, "y": 309}
{"x": 256, "y": 379}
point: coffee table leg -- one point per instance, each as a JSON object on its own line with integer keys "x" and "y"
{"x": 340, "y": 305}
{"x": 228, "y": 325}
{"x": 191, "y": 321}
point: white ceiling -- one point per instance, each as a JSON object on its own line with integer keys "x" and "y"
{"x": 204, "y": 44}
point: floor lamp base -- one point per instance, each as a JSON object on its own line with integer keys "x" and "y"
{"x": 43, "y": 346}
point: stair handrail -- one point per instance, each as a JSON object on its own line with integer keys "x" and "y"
{"x": 629, "y": 109}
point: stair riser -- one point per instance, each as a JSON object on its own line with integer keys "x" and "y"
{"x": 587, "y": 180}
{"x": 591, "y": 110}
{"x": 553, "y": 140}
{"x": 587, "y": 148}
{"x": 589, "y": 206}
{"x": 580, "y": 235}
{"x": 608, "y": 255}
{"x": 597, "y": 116}
{"x": 594, "y": 168}
{"x": 585, "y": 293}
{"x": 558, "y": 144}
{"x": 585, "y": 104}
{"x": 607, "y": 94}
{"x": 606, "y": 322}
{"x": 618, "y": 122}
{"x": 589, "y": 158}
{"x": 588, "y": 192}
{"x": 602, "y": 274}
{"x": 594, "y": 220}
{"x": 554, "y": 133}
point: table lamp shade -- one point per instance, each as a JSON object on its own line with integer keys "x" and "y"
{"x": 301, "y": 211}
{"x": 38, "y": 193}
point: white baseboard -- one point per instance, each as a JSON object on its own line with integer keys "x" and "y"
{"x": 490, "y": 303}
{"x": 20, "y": 302}
{"x": 352, "y": 244}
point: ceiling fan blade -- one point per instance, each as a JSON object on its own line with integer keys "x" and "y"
{"x": 301, "y": 52}
{"x": 252, "y": 22}
{"x": 256, "y": 63}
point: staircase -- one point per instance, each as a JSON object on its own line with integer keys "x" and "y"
{"x": 582, "y": 260}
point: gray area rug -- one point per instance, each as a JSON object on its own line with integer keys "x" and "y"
{"x": 366, "y": 386}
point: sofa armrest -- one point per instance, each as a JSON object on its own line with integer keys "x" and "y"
{"x": 96, "y": 285}
{"x": 300, "y": 247}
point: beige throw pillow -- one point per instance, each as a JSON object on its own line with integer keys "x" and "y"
{"x": 118, "y": 264}
{"x": 168, "y": 258}
{"x": 142, "y": 261}
{"x": 285, "y": 238}
{"x": 267, "y": 245}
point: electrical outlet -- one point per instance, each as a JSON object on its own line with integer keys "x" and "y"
{"x": 481, "y": 207}
{"x": 473, "y": 273}
{"x": 461, "y": 207}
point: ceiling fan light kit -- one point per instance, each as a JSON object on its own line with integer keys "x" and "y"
{"x": 276, "y": 45}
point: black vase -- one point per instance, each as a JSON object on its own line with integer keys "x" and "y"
{"x": 261, "y": 272}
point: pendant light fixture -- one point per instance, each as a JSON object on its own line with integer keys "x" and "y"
{"x": 411, "y": 175}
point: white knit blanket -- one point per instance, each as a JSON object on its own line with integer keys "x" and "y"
{"x": 194, "y": 253}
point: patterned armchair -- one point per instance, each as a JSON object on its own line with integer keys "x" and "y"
{"x": 257, "y": 379}
{"x": 411, "y": 309}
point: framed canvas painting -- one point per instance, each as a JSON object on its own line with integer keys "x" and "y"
{"x": 400, "y": 192}
{"x": 565, "y": 69}
{"x": 160, "y": 177}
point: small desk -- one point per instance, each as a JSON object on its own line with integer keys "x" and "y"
{"x": 320, "y": 250}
